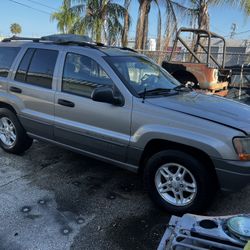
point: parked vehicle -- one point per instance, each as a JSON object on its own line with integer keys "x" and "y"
{"x": 199, "y": 67}
{"x": 118, "y": 106}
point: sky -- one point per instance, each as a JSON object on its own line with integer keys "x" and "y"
{"x": 34, "y": 17}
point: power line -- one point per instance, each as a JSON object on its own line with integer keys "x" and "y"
{"x": 28, "y": 6}
{"x": 44, "y": 5}
{"x": 216, "y": 28}
{"x": 239, "y": 33}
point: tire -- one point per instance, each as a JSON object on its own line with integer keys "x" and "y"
{"x": 197, "y": 180}
{"x": 13, "y": 137}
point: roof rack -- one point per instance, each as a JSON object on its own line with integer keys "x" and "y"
{"x": 67, "y": 39}
{"x": 91, "y": 45}
{"x": 113, "y": 47}
{"x": 17, "y": 38}
{"x": 125, "y": 48}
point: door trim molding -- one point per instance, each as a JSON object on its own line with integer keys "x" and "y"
{"x": 124, "y": 165}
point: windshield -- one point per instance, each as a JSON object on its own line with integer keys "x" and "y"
{"x": 143, "y": 75}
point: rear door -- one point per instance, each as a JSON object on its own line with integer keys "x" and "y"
{"x": 32, "y": 86}
{"x": 7, "y": 58}
{"x": 82, "y": 123}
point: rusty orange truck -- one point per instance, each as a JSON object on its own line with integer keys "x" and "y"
{"x": 196, "y": 65}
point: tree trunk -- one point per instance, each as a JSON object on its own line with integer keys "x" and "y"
{"x": 140, "y": 28}
{"x": 203, "y": 18}
{"x": 170, "y": 31}
{"x": 165, "y": 46}
{"x": 158, "y": 44}
{"x": 98, "y": 31}
{"x": 145, "y": 31}
{"x": 126, "y": 25}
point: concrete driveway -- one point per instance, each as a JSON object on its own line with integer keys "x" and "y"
{"x": 51, "y": 198}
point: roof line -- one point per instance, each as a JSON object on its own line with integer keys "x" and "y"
{"x": 96, "y": 45}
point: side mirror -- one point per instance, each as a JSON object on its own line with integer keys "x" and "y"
{"x": 106, "y": 94}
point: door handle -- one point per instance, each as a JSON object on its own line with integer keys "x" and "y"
{"x": 15, "y": 89}
{"x": 66, "y": 103}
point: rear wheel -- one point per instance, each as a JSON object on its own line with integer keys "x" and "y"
{"x": 178, "y": 182}
{"x": 13, "y": 137}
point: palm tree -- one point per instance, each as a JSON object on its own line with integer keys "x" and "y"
{"x": 159, "y": 27}
{"x": 15, "y": 28}
{"x": 171, "y": 8}
{"x": 126, "y": 24}
{"x": 173, "y": 11}
{"x": 65, "y": 17}
{"x": 102, "y": 18}
{"x": 142, "y": 23}
{"x": 201, "y": 9}
{"x": 247, "y": 7}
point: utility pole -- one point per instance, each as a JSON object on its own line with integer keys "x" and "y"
{"x": 233, "y": 30}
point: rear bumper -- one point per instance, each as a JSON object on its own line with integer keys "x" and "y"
{"x": 232, "y": 175}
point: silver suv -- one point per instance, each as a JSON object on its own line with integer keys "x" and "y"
{"x": 118, "y": 106}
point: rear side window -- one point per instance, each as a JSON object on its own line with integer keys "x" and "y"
{"x": 24, "y": 65}
{"x": 82, "y": 75}
{"x": 37, "y": 67}
{"x": 7, "y": 57}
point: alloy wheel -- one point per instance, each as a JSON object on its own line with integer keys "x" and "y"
{"x": 176, "y": 184}
{"x": 7, "y": 132}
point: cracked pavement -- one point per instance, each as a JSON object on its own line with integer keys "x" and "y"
{"x": 51, "y": 198}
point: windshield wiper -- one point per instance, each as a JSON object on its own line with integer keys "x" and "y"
{"x": 154, "y": 91}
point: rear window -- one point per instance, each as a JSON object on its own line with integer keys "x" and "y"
{"x": 37, "y": 67}
{"x": 7, "y": 57}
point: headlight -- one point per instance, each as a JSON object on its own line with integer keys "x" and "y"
{"x": 240, "y": 226}
{"x": 242, "y": 147}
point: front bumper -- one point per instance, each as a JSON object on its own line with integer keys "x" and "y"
{"x": 232, "y": 175}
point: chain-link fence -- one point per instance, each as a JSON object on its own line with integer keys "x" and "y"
{"x": 231, "y": 59}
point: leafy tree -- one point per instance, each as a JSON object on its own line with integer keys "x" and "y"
{"x": 247, "y": 7}
{"x": 201, "y": 9}
{"x": 65, "y": 17}
{"x": 15, "y": 28}
{"x": 102, "y": 18}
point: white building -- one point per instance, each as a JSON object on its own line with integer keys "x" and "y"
{"x": 152, "y": 44}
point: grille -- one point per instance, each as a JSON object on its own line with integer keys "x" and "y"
{"x": 199, "y": 233}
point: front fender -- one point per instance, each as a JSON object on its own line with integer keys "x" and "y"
{"x": 212, "y": 146}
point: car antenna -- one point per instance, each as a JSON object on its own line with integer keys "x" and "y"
{"x": 144, "y": 95}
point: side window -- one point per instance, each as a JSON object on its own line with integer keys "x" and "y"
{"x": 82, "y": 75}
{"x": 37, "y": 67}
{"x": 24, "y": 66}
{"x": 7, "y": 57}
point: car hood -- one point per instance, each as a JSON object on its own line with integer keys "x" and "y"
{"x": 214, "y": 108}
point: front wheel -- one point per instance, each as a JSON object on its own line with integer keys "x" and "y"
{"x": 13, "y": 137}
{"x": 178, "y": 182}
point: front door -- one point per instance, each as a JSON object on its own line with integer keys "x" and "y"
{"x": 95, "y": 127}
